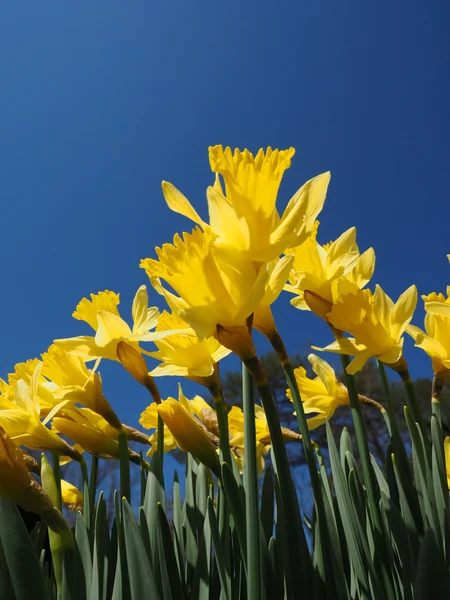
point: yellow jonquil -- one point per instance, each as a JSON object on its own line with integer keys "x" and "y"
{"x": 101, "y": 313}
{"x": 316, "y": 267}
{"x": 197, "y": 408}
{"x": 244, "y": 219}
{"x": 184, "y": 356}
{"x": 21, "y": 421}
{"x": 213, "y": 289}
{"x": 436, "y": 341}
{"x": 322, "y": 395}
{"x": 376, "y": 323}
{"x": 71, "y": 496}
{"x": 75, "y": 382}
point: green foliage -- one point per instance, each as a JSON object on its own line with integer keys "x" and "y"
{"x": 379, "y": 526}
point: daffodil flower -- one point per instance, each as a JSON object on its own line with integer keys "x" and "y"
{"x": 214, "y": 289}
{"x": 101, "y": 313}
{"x": 244, "y": 218}
{"x": 184, "y": 356}
{"x": 21, "y": 420}
{"x": 435, "y": 340}
{"x": 316, "y": 267}
{"x": 197, "y": 408}
{"x": 322, "y": 395}
{"x": 71, "y": 496}
{"x": 376, "y": 323}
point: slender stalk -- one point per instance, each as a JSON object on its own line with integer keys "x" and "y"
{"x": 161, "y": 440}
{"x": 412, "y": 401}
{"x": 363, "y": 447}
{"x": 57, "y": 475}
{"x": 93, "y": 483}
{"x": 222, "y": 421}
{"x": 298, "y": 586}
{"x": 436, "y": 390}
{"x": 125, "y": 486}
{"x": 251, "y": 489}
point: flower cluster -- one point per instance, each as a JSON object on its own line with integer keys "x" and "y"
{"x": 218, "y": 282}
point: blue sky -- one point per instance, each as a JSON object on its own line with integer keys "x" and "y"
{"x": 100, "y": 101}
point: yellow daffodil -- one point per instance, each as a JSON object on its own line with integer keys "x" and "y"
{"x": 93, "y": 433}
{"x": 76, "y": 383}
{"x": 436, "y": 341}
{"x": 89, "y": 430}
{"x": 316, "y": 267}
{"x": 20, "y": 487}
{"x": 214, "y": 290}
{"x": 197, "y": 408}
{"x": 188, "y": 433}
{"x": 184, "y": 356}
{"x": 71, "y": 496}
{"x": 323, "y": 394}
{"x": 376, "y": 323}
{"x": 21, "y": 420}
{"x": 244, "y": 218}
{"x": 101, "y": 313}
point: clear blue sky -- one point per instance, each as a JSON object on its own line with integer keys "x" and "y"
{"x": 102, "y": 100}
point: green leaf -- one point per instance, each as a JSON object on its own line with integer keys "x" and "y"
{"x": 355, "y": 536}
{"x": 267, "y": 504}
{"x": 20, "y": 554}
{"x": 190, "y": 521}
{"x": 432, "y": 579}
{"x": 237, "y": 509}
{"x": 84, "y": 548}
{"x": 202, "y": 574}
{"x": 218, "y": 552}
{"x": 175, "y": 577}
{"x": 142, "y": 580}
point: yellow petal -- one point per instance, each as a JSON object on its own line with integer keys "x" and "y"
{"x": 177, "y": 202}
{"x": 111, "y": 327}
{"x": 87, "y": 309}
{"x": 144, "y": 318}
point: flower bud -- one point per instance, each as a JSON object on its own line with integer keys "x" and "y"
{"x": 188, "y": 434}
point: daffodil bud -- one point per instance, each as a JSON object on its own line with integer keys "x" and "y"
{"x": 188, "y": 434}
{"x": 238, "y": 340}
{"x": 319, "y": 306}
{"x": 71, "y": 496}
{"x": 135, "y": 364}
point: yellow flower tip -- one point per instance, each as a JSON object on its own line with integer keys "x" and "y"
{"x": 226, "y": 162}
{"x": 71, "y": 496}
{"x": 237, "y": 339}
{"x": 319, "y": 306}
{"x": 447, "y": 459}
{"x": 188, "y": 434}
{"x": 87, "y": 310}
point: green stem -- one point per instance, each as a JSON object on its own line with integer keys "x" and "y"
{"x": 251, "y": 489}
{"x": 363, "y": 447}
{"x": 93, "y": 483}
{"x": 397, "y": 442}
{"x": 412, "y": 401}
{"x": 161, "y": 440}
{"x": 298, "y": 581}
{"x": 436, "y": 390}
{"x": 57, "y": 476}
{"x": 222, "y": 420}
{"x": 125, "y": 486}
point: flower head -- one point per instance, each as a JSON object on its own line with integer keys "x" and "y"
{"x": 101, "y": 313}
{"x": 244, "y": 218}
{"x": 214, "y": 289}
{"x": 435, "y": 340}
{"x": 316, "y": 267}
{"x": 71, "y": 496}
{"x": 322, "y": 395}
{"x": 184, "y": 356}
{"x": 376, "y": 323}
